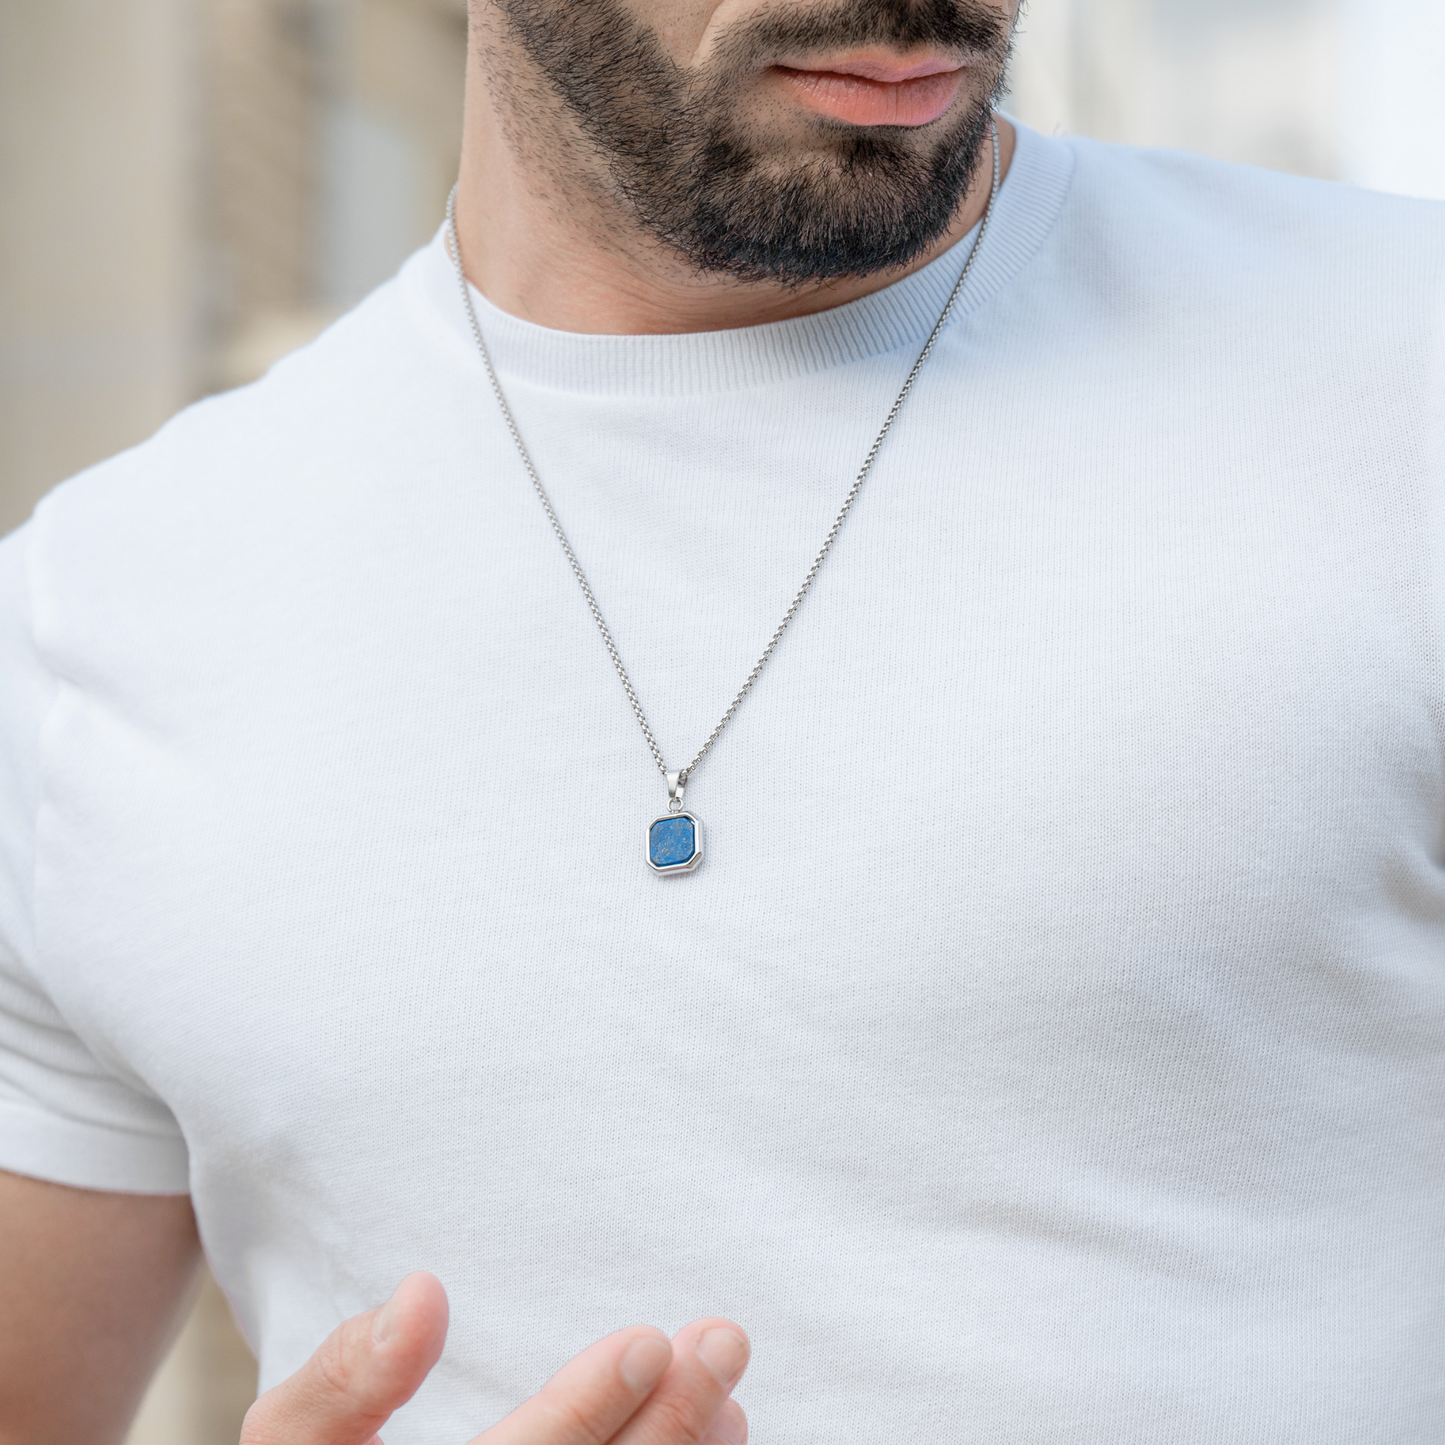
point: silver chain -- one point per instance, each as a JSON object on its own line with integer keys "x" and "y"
{"x": 828, "y": 541}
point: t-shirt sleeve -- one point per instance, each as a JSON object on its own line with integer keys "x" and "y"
{"x": 63, "y": 1116}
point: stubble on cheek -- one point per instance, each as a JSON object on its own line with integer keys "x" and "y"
{"x": 568, "y": 172}
{"x": 588, "y": 98}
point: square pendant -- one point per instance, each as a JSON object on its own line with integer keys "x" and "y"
{"x": 674, "y": 844}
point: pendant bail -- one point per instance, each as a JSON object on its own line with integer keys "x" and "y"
{"x": 676, "y": 786}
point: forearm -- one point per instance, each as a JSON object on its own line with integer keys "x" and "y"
{"x": 95, "y": 1286}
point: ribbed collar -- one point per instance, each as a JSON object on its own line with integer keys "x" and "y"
{"x": 898, "y": 315}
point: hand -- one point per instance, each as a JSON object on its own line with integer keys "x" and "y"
{"x": 632, "y": 1388}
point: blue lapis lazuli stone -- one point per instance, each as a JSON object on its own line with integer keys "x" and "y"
{"x": 671, "y": 842}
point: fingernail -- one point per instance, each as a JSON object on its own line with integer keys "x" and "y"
{"x": 731, "y": 1430}
{"x": 385, "y": 1322}
{"x": 724, "y": 1352}
{"x": 643, "y": 1362}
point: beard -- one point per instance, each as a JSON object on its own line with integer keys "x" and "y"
{"x": 852, "y": 201}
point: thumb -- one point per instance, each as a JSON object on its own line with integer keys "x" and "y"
{"x": 366, "y": 1368}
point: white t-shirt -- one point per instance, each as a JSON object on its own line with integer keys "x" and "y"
{"x": 1050, "y": 1049}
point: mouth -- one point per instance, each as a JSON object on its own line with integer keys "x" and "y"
{"x": 876, "y": 89}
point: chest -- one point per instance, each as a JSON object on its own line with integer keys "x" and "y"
{"x": 1038, "y": 728}
{"x": 1088, "y": 775}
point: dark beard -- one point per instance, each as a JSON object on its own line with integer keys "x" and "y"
{"x": 859, "y": 202}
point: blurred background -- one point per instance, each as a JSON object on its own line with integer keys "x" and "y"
{"x": 190, "y": 188}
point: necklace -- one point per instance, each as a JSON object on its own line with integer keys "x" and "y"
{"x": 674, "y": 841}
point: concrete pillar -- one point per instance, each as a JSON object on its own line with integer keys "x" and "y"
{"x": 390, "y": 134}
{"x": 97, "y": 276}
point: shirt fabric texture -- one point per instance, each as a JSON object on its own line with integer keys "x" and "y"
{"x": 1050, "y": 1049}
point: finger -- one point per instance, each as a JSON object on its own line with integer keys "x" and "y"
{"x": 730, "y": 1427}
{"x": 366, "y": 1368}
{"x": 708, "y": 1359}
{"x": 592, "y": 1396}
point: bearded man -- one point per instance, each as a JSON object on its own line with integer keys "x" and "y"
{"x": 1043, "y": 1047}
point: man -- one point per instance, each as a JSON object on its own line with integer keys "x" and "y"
{"x": 1049, "y": 1046}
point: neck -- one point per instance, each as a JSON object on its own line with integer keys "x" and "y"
{"x": 582, "y": 267}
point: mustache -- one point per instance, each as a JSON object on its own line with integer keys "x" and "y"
{"x": 947, "y": 25}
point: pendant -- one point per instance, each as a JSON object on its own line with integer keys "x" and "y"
{"x": 674, "y": 841}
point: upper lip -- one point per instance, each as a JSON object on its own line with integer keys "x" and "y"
{"x": 880, "y": 68}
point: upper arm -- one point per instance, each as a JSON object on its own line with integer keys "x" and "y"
{"x": 92, "y": 1280}
{"x": 95, "y": 1284}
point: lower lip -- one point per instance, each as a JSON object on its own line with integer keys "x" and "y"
{"x": 858, "y": 101}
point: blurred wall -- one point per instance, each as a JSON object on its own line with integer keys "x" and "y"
{"x": 1391, "y": 128}
{"x": 189, "y": 188}
{"x": 1350, "y": 90}
{"x": 1255, "y": 81}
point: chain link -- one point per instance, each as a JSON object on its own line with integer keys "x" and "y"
{"x": 828, "y": 541}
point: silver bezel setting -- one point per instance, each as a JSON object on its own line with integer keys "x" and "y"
{"x": 692, "y": 862}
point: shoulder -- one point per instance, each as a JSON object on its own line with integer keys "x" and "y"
{"x": 1244, "y": 215}
{"x": 245, "y": 486}
{"x": 1237, "y": 204}
{"x": 1197, "y": 268}
{"x": 353, "y": 381}
{"x": 250, "y": 512}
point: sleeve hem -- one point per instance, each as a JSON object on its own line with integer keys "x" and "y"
{"x": 86, "y": 1156}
